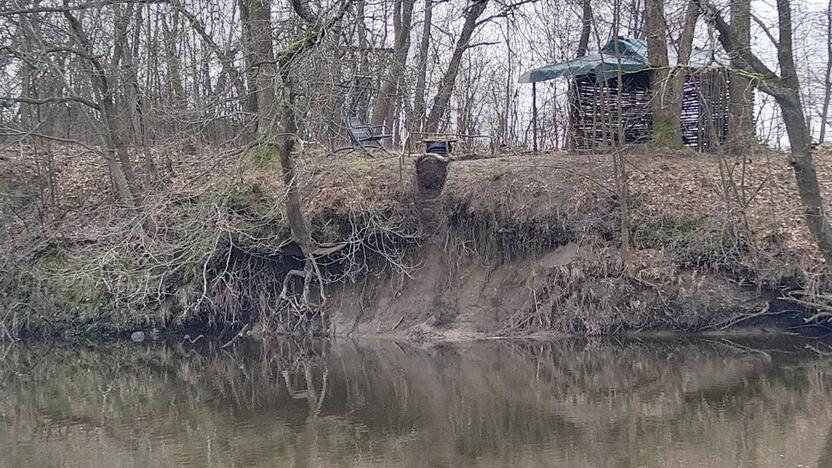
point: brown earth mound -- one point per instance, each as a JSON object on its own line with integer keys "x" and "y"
{"x": 431, "y": 174}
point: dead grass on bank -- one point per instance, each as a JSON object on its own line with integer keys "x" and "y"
{"x": 683, "y": 203}
{"x": 757, "y": 190}
{"x": 700, "y": 223}
{"x": 516, "y": 188}
{"x": 86, "y": 210}
{"x": 209, "y": 241}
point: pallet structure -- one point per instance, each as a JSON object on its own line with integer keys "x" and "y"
{"x": 595, "y": 103}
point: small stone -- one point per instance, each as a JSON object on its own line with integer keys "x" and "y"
{"x": 137, "y": 337}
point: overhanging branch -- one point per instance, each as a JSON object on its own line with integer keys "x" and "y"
{"x": 49, "y": 100}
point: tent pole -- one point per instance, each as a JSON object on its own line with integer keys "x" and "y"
{"x": 534, "y": 117}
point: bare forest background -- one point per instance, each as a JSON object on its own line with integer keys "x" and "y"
{"x": 135, "y": 96}
{"x": 129, "y": 76}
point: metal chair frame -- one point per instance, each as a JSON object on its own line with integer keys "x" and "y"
{"x": 363, "y": 136}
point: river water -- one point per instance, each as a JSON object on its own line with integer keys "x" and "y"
{"x": 671, "y": 403}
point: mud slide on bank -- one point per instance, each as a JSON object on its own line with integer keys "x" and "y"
{"x": 517, "y": 254}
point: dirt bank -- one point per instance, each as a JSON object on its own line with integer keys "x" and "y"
{"x": 482, "y": 246}
{"x": 566, "y": 290}
{"x": 528, "y": 245}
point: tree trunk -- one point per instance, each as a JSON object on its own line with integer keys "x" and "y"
{"x": 503, "y": 134}
{"x": 636, "y": 23}
{"x": 418, "y": 120}
{"x": 586, "y": 28}
{"x": 250, "y": 102}
{"x": 805, "y": 173}
{"x": 276, "y": 121}
{"x": 785, "y": 89}
{"x": 174, "y": 67}
{"x": 827, "y": 92}
{"x": 390, "y": 87}
{"x": 618, "y": 156}
{"x": 289, "y": 129}
{"x": 740, "y": 89}
{"x": 278, "y": 110}
{"x": 679, "y": 73}
{"x": 133, "y": 95}
{"x": 294, "y": 205}
{"x": 118, "y": 116}
{"x": 799, "y": 138}
{"x": 262, "y": 70}
{"x": 664, "y": 96}
{"x": 688, "y": 30}
{"x": 446, "y": 86}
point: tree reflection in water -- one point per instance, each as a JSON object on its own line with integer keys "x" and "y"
{"x": 341, "y": 403}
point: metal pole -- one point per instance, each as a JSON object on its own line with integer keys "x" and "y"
{"x": 534, "y": 117}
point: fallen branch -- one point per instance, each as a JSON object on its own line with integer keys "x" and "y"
{"x": 239, "y": 334}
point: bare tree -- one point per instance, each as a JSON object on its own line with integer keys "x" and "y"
{"x": 277, "y": 118}
{"x": 740, "y": 116}
{"x": 391, "y": 86}
{"x": 827, "y": 91}
{"x": 586, "y": 28}
{"x": 665, "y": 96}
{"x": 619, "y": 158}
{"x": 118, "y": 159}
{"x": 685, "y": 47}
{"x": 250, "y": 47}
{"x": 172, "y": 60}
{"x": 785, "y": 89}
{"x": 422, "y": 69}
{"x": 446, "y": 85}
{"x": 263, "y": 69}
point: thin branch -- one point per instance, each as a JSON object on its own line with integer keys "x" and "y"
{"x": 66, "y": 8}
{"x": 4, "y": 100}
{"x": 765, "y": 29}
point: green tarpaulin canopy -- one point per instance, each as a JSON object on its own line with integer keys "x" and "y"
{"x": 633, "y": 60}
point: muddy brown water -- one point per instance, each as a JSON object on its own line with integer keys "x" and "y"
{"x": 669, "y": 403}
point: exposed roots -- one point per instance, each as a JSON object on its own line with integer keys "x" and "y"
{"x": 220, "y": 253}
{"x": 219, "y": 259}
{"x": 599, "y": 294}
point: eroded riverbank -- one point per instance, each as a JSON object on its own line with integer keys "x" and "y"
{"x": 481, "y": 247}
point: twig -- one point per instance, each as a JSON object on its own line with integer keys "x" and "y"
{"x": 239, "y": 334}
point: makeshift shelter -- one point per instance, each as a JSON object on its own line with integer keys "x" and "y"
{"x": 594, "y": 100}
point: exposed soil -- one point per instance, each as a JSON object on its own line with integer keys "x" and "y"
{"x": 467, "y": 299}
{"x": 485, "y": 246}
{"x": 530, "y": 246}
{"x": 431, "y": 174}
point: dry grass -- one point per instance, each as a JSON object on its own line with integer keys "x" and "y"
{"x": 737, "y": 216}
{"x": 757, "y": 190}
{"x": 208, "y": 243}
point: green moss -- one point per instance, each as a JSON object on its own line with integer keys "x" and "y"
{"x": 245, "y": 198}
{"x": 666, "y": 132}
{"x": 263, "y": 157}
{"x": 54, "y": 260}
{"x": 663, "y": 231}
{"x": 77, "y": 201}
{"x": 101, "y": 289}
{"x": 295, "y": 47}
{"x": 692, "y": 242}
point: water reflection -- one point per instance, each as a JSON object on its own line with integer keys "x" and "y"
{"x": 570, "y": 404}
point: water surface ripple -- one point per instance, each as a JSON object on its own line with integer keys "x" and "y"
{"x": 576, "y": 404}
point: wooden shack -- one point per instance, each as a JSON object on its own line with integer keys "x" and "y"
{"x": 594, "y": 100}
